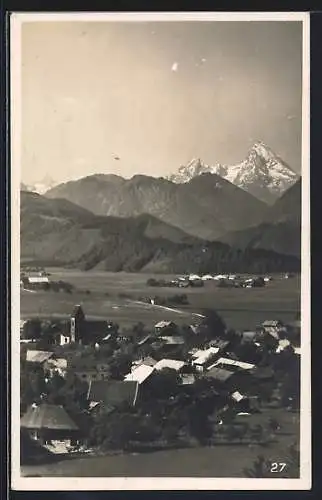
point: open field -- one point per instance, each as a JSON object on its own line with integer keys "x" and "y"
{"x": 216, "y": 461}
{"x": 240, "y": 308}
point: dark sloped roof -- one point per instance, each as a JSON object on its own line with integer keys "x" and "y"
{"x": 262, "y": 372}
{"x": 113, "y": 392}
{"x": 219, "y": 374}
{"x": 47, "y": 416}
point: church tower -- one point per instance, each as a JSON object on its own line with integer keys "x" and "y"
{"x": 77, "y": 322}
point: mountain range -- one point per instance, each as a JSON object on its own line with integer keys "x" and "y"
{"x": 56, "y": 231}
{"x": 262, "y": 173}
{"x": 280, "y": 229}
{"x": 206, "y": 213}
{"x": 206, "y": 207}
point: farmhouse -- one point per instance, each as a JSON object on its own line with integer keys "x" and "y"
{"x": 46, "y": 422}
{"x": 273, "y": 327}
{"x": 165, "y": 328}
{"x": 55, "y": 365}
{"x": 202, "y": 358}
{"x": 139, "y": 374}
{"x": 244, "y": 403}
{"x": 89, "y": 369}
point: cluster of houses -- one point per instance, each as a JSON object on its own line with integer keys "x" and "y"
{"x": 228, "y": 280}
{"x": 214, "y": 360}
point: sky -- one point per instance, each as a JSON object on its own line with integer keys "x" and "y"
{"x": 147, "y": 97}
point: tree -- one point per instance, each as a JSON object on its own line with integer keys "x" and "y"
{"x": 273, "y": 424}
{"x": 120, "y": 365}
{"x": 32, "y": 385}
{"x": 163, "y": 384}
{"x": 199, "y": 425}
{"x": 212, "y": 324}
{"x": 32, "y": 329}
{"x": 260, "y": 468}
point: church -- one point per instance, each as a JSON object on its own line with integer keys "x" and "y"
{"x": 81, "y": 330}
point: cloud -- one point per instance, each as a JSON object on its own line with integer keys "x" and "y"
{"x": 174, "y": 66}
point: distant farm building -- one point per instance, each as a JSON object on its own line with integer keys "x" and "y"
{"x": 273, "y": 327}
{"x": 166, "y": 328}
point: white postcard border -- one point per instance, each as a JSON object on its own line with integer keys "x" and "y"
{"x": 112, "y": 483}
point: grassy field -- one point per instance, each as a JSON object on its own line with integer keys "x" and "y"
{"x": 216, "y": 461}
{"x": 240, "y": 308}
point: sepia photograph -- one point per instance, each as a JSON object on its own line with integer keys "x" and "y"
{"x": 160, "y": 251}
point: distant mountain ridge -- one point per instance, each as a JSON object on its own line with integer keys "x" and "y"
{"x": 205, "y": 207}
{"x": 58, "y": 232}
{"x": 263, "y": 173}
{"x": 280, "y": 229}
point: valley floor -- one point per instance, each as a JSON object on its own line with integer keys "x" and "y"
{"x": 115, "y": 295}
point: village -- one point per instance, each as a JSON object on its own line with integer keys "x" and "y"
{"x": 92, "y": 386}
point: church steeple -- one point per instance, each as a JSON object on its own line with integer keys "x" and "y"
{"x": 77, "y": 324}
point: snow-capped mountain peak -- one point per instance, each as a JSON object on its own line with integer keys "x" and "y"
{"x": 262, "y": 173}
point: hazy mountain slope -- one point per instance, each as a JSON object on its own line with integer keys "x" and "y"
{"x": 56, "y": 231}
{"x": 205, "y": 207}
{"x": 39, "y": 187}
{"x": 262, "y": 173}
{"x": 281, "y": 227}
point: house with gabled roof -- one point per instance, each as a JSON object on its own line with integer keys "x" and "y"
{"x": 202, "y": 358}
{"x": 140, "y": 374}
{"x": 48, "y": 422}
{"x": 165, "y": 328}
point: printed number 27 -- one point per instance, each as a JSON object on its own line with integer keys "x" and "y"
{"x": 278, "y": 466}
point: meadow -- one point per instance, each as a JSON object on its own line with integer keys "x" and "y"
{"x": 115, "y": 296}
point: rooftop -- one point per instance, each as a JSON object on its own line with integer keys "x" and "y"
{"x": 113, "y": 392}
{"x": 38, "y": 356}
{"x": 202, "y": 356}
{"x": 47, "y": 416}
{"x": 233, "y": 362}
{"x": 139, "y": 374}
{"x": 164, "y": 324}
{"x": 173, "y": 364}
{"x": 219, "y": 374}
{"x": 174, "y": 340}
{"x": 272, "y": 322}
